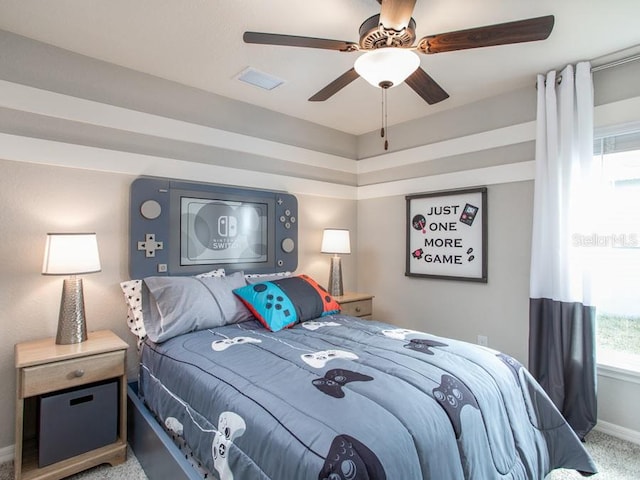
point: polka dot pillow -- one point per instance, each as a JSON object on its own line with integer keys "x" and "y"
{"x": 132, "y": 291}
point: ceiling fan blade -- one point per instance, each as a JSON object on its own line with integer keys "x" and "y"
{"x": 395, "y": 14}
{"x": 528, "y": 30}
{"x": 295, "y": 41}
{"x": 335, "y": 86}
{"x": 426, "y": 87}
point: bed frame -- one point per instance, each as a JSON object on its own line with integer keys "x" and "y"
{"x": 159, "y": 457}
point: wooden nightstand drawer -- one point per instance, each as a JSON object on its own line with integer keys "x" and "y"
{"x": 356, "y": 304}
{"x": 361, "y": 308}
{"x": 59, "y": 375}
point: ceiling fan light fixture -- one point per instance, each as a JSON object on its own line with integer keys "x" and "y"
{"x": 387, "y": 65}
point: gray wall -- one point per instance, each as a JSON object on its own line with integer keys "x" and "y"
{"x": 29, "y": 62}
{"x": 37, "y": 199}
{"x": 486, "y": 143}
{"x": 498, "y": 309}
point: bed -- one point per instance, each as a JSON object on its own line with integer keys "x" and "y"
{"x": 329, "y": 396}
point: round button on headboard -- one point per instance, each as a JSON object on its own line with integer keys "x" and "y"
{"x": 288, "y": 245}
{"x": 150, "y": 209}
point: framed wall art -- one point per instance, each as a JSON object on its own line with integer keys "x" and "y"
{"x": 447, "y": 235}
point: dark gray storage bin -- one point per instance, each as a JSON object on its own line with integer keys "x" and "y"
{"x": 76, "y": 421}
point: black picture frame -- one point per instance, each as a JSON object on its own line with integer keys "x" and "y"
{"x": 446, "y": 235}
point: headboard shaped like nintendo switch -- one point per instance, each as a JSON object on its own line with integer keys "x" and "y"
{"x": 186, "y": 228}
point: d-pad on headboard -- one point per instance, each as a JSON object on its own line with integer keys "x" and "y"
{"x": 149, "y": 245}
{"x": 186, "y": 228}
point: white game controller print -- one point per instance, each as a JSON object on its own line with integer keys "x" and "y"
{"x": 398, "y": 333}
{"x": 174, "y": 425}
{"x": 314, "y": 325}
{"x": 220, "y": 345}
{"x": 230, "y": 426}
{"x": 320, "y": 359}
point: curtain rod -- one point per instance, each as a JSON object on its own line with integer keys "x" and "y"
{"x": 616, "y": 63}
{"x": 604, "y": 66}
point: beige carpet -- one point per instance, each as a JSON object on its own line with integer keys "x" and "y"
{"x": 616, "y": 460}
{"x": 129, "y": 470}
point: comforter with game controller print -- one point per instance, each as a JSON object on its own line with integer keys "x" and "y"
{"x": 345, "y": 398}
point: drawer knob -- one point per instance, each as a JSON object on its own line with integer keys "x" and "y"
{"x": 78, "y": 373}
{"x": 358, "y": 309}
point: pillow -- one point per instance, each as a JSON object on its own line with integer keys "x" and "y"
{"x": 175, "y": 305}
{"x": 132, "y": 290}
{"x": 280, "y": 303}
{"x": 265, "y": 277}
{"x": 219, "y": 272}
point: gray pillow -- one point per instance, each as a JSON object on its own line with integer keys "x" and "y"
{"x": 175, "y": 305}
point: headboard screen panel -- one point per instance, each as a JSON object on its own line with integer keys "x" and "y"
{"x": 186, "y": 228}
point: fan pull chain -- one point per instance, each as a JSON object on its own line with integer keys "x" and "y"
{"x": 384, "y": 129}
{"x": 382, "y": 132}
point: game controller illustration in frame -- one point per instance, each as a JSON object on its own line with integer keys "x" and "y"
{"x": 185, "y": 228}
{"x": 446, "y": 235}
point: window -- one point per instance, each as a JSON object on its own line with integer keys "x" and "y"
{"x": 617, "y": 251}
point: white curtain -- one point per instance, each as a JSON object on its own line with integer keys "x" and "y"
{"x": 562, "y": 317}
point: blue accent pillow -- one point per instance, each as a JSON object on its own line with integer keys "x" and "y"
{"x": 281, "y": 303}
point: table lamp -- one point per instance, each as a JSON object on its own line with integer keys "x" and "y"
{"x": 71, "y": 254}
{"x": 335, "y": 241}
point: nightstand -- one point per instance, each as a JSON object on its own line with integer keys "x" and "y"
{"x": 356, "y": 304}
{"x": 42, "y": 367}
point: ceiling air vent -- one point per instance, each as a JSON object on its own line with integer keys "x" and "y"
{"x": 259, "y": 79}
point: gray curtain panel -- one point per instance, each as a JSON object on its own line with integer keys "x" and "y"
{"x": 562, "y": 358}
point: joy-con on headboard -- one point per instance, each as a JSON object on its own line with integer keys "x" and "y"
{"x": 186, "y": 228}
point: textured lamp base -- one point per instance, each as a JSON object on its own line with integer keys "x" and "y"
{"x": 335, "y": 277}
{"x": 72, "y": 326}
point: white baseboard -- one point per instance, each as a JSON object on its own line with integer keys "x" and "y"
{"x": 6, "y": 454}
{"x": 617, "y": 431}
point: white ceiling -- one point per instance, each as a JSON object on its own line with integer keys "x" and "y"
{"x": 199, "y": 43}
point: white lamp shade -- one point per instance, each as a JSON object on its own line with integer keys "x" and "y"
{"x": 71, "y": 254}
{"x": 335, "y": 241}
{"x": 389, "y": 64}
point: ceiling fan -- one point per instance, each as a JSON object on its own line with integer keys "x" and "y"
{"x": 392, "y": 33}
